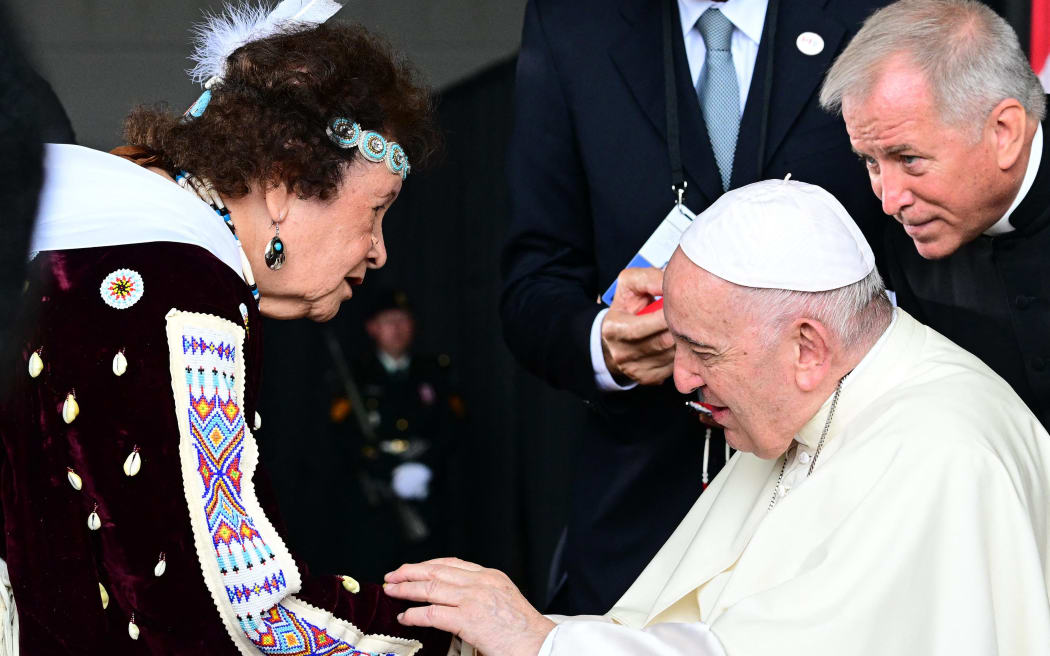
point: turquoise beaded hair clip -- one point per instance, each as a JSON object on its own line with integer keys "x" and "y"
{"x": 373, "y": 146}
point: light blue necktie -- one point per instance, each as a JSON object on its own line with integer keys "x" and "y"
{"x": 719, "y": 90}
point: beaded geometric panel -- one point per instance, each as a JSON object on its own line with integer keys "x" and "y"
{"x": 254, "y": 581}
{"x": 251, "y": 576}
{"x": 280, "y": 631}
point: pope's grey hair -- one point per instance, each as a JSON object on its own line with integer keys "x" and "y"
{"x": 856, "y": 314}
{"x": 967, "y": 53}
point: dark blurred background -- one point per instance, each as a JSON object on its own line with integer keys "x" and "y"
{"x": 510, "y": 472}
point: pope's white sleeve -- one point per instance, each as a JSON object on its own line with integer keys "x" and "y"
{"x": 582, "y": 637}
{"x": 602, "y": 378}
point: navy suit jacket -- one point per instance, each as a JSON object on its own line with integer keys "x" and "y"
{"x": 589, "y": 180}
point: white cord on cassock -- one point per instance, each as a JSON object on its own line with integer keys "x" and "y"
{"x": 707, "y": 455}
{"x": 220, "y": 34}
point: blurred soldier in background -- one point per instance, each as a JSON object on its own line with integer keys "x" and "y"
{"x": 397, "y": 417}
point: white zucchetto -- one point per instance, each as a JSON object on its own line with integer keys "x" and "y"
{"x": 779, "y": 234}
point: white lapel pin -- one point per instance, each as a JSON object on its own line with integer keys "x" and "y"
{"x": 810, "y": 43}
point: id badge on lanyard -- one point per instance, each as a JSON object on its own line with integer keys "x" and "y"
{"x": 660, "y": 246}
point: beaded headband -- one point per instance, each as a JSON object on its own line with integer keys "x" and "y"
{"x": 373, "y": 146}
{"x": 342, "y": 131}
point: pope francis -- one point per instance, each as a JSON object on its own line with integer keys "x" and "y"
{"x": 890, "y": 495}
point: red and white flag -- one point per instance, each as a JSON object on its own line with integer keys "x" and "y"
{"x": 1041, "y": 40}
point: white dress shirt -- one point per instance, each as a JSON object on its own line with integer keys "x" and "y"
{"x": 748, "y": 17}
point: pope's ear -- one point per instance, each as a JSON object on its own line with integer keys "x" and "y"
{"x": 813, "y": 353}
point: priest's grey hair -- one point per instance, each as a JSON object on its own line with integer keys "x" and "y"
{"x": 968, "y": 54}
{"x": 856, "y": 314}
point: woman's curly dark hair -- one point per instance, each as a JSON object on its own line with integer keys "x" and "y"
{"x": 266, "y": 122}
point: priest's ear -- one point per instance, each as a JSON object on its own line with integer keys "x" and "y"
{"x": 813, "y": 351}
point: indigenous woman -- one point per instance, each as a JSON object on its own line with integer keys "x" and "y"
{"x": 135, "y": 520}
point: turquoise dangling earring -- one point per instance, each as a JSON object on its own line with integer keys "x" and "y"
{"x": 275, "y": 253}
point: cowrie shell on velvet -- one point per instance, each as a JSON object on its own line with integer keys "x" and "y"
{"x": 74, "y": 479}
{"x": 105, "y": 596}
{"x": 70, "y": 409}
{"x": 350, "y": 584}
{"x": 133, "y": 629}
{"x": 133, "y": 463}
{"x": 810, "y": 43}
{"x": 120, "y": 364}
{"x": 161, "y": 566}
{"x": 258, "y": 421}
{"x": 36, "y": 364}
{"x": 94, "y": 522}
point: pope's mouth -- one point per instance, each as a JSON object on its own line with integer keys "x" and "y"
{"x": 718, "y": 412}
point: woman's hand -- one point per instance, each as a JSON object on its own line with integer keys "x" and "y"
{"x": 481, "y": 606}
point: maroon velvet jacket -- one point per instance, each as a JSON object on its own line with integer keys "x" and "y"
{"x": 55, "y": 561}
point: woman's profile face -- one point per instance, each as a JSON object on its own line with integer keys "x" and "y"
{"x": 329, "y": 245}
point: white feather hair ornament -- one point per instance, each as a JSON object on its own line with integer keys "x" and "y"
{"x": 220, "y": 34}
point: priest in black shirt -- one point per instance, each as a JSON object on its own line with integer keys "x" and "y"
{"x": 942, "y": 106}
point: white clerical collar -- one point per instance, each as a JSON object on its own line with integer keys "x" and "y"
{"x": 1003, "y": 225}
{"x": 392, "y": 364}
{"x": 748, "y": 16}
{"x": 810, "y": 432}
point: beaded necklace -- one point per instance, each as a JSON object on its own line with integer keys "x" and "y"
{"x": 204, "y": 190}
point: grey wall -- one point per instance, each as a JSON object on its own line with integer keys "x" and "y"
{"x": 103, "y": 56}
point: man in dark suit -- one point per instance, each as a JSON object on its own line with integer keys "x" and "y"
{"x": 942, "y": 104}
{"x": 590, "y": 179}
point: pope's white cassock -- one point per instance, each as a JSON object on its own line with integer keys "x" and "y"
{"x": 922, "y": 530}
